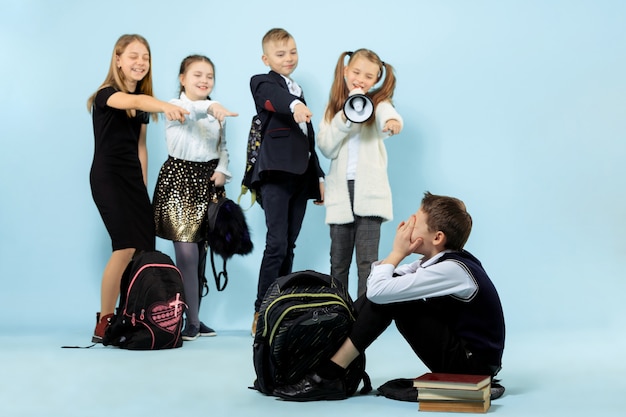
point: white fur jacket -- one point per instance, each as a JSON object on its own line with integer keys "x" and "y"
{"x": 372, "y": 193}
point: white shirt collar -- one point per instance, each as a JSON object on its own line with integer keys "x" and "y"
{"x": 434, "y": 258}
{"x": 293, "y": 86}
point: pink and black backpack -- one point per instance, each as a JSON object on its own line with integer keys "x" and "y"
{"x": 152, "y": 302}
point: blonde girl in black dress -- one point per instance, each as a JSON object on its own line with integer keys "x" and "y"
{"x": 197, "y": 165}
{"x": 120, "y": 110}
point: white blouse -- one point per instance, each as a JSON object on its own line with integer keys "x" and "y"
{"x": 197, "y": 138}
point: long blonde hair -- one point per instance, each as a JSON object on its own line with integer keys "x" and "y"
{"x": 339, "y": 91}
{"x": 115, "y": 78}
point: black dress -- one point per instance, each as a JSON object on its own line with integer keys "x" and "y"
{"x": 116, "y": 177}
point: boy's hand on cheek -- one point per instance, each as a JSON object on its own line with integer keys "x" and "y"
{"x": 416, "y": 244}
{"x": 403, "y": 242}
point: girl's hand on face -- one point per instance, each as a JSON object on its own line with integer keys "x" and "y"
{"x": 218, "y": 178}
{"x": 220, "y": 112}
{"x": 173, "y": 112}
{"x": 392, "y": 126}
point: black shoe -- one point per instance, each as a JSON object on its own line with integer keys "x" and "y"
{"x": 190, "y": 333}
{"x": 313, "y": 387}
{"x": 206, "y": 330}
{"x": 496, "y": 390}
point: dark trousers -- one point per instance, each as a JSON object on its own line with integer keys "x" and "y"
{"x": 430, "y": 338}
{"x": 284, "y": 203}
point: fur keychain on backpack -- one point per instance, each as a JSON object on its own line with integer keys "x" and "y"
{"x": 228, "y": 233}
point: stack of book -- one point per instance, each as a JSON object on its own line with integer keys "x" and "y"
{"x": 453, "y": 392}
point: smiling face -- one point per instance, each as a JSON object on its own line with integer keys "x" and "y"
{"x": 198, "y": 80}
{"x": 361, "y": 73}
{"x": 134, "y": 63}
{"x": 281, "y": 56}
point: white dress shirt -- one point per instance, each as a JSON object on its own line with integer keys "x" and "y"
{"x": 419, "y": 280}
{"x": 295, "y": 90}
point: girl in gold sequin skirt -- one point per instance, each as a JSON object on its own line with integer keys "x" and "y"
{"x": 197, "y": 162}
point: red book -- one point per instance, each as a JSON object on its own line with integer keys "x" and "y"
{"x": 451, "y": 381}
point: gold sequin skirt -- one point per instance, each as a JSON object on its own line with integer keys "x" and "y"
{"x": 181, "y": 199}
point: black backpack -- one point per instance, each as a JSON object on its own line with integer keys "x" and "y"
{"x": 255, "y": 138}
{"x": 150, "y": 312}
{"x": 304, "y": 318}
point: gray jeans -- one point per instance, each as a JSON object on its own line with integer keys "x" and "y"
{"x": 361, "y": 236}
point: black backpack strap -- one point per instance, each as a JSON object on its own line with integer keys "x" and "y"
{"x": 367, "y": 384}
{"x": 203, "y": 286}
{"x": 78, "y": 347}
{"x": 218, "y": 277}
{"x": 401, "y": 389}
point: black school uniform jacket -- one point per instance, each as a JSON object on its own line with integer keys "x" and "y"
{"x": 285, "y": 148}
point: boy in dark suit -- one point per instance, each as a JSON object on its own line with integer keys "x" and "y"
{"x": 287, "y": 172}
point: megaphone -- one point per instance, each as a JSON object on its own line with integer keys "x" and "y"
{"x": 358, "y": 108}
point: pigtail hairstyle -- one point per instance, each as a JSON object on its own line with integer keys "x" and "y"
{"x": 385, "y": 91}
{"x": 339, "y": 91}
{"x": 115, "y": 77}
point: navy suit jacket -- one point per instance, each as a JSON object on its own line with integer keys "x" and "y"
{"x": 285, "y": 148}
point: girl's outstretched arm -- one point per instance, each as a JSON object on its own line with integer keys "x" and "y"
{"x": 125, "y": 101}
{"x": 392, "y": 126}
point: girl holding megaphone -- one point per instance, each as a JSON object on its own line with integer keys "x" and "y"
{"x": 357, "y": 195}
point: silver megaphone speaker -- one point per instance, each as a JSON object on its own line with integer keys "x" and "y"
{"x": 358, "y": 108}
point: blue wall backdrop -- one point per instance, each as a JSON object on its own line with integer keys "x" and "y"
{"x": 516, "y": 107}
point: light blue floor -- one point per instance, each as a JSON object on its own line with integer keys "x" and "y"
{"x": 546, "y": 374}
